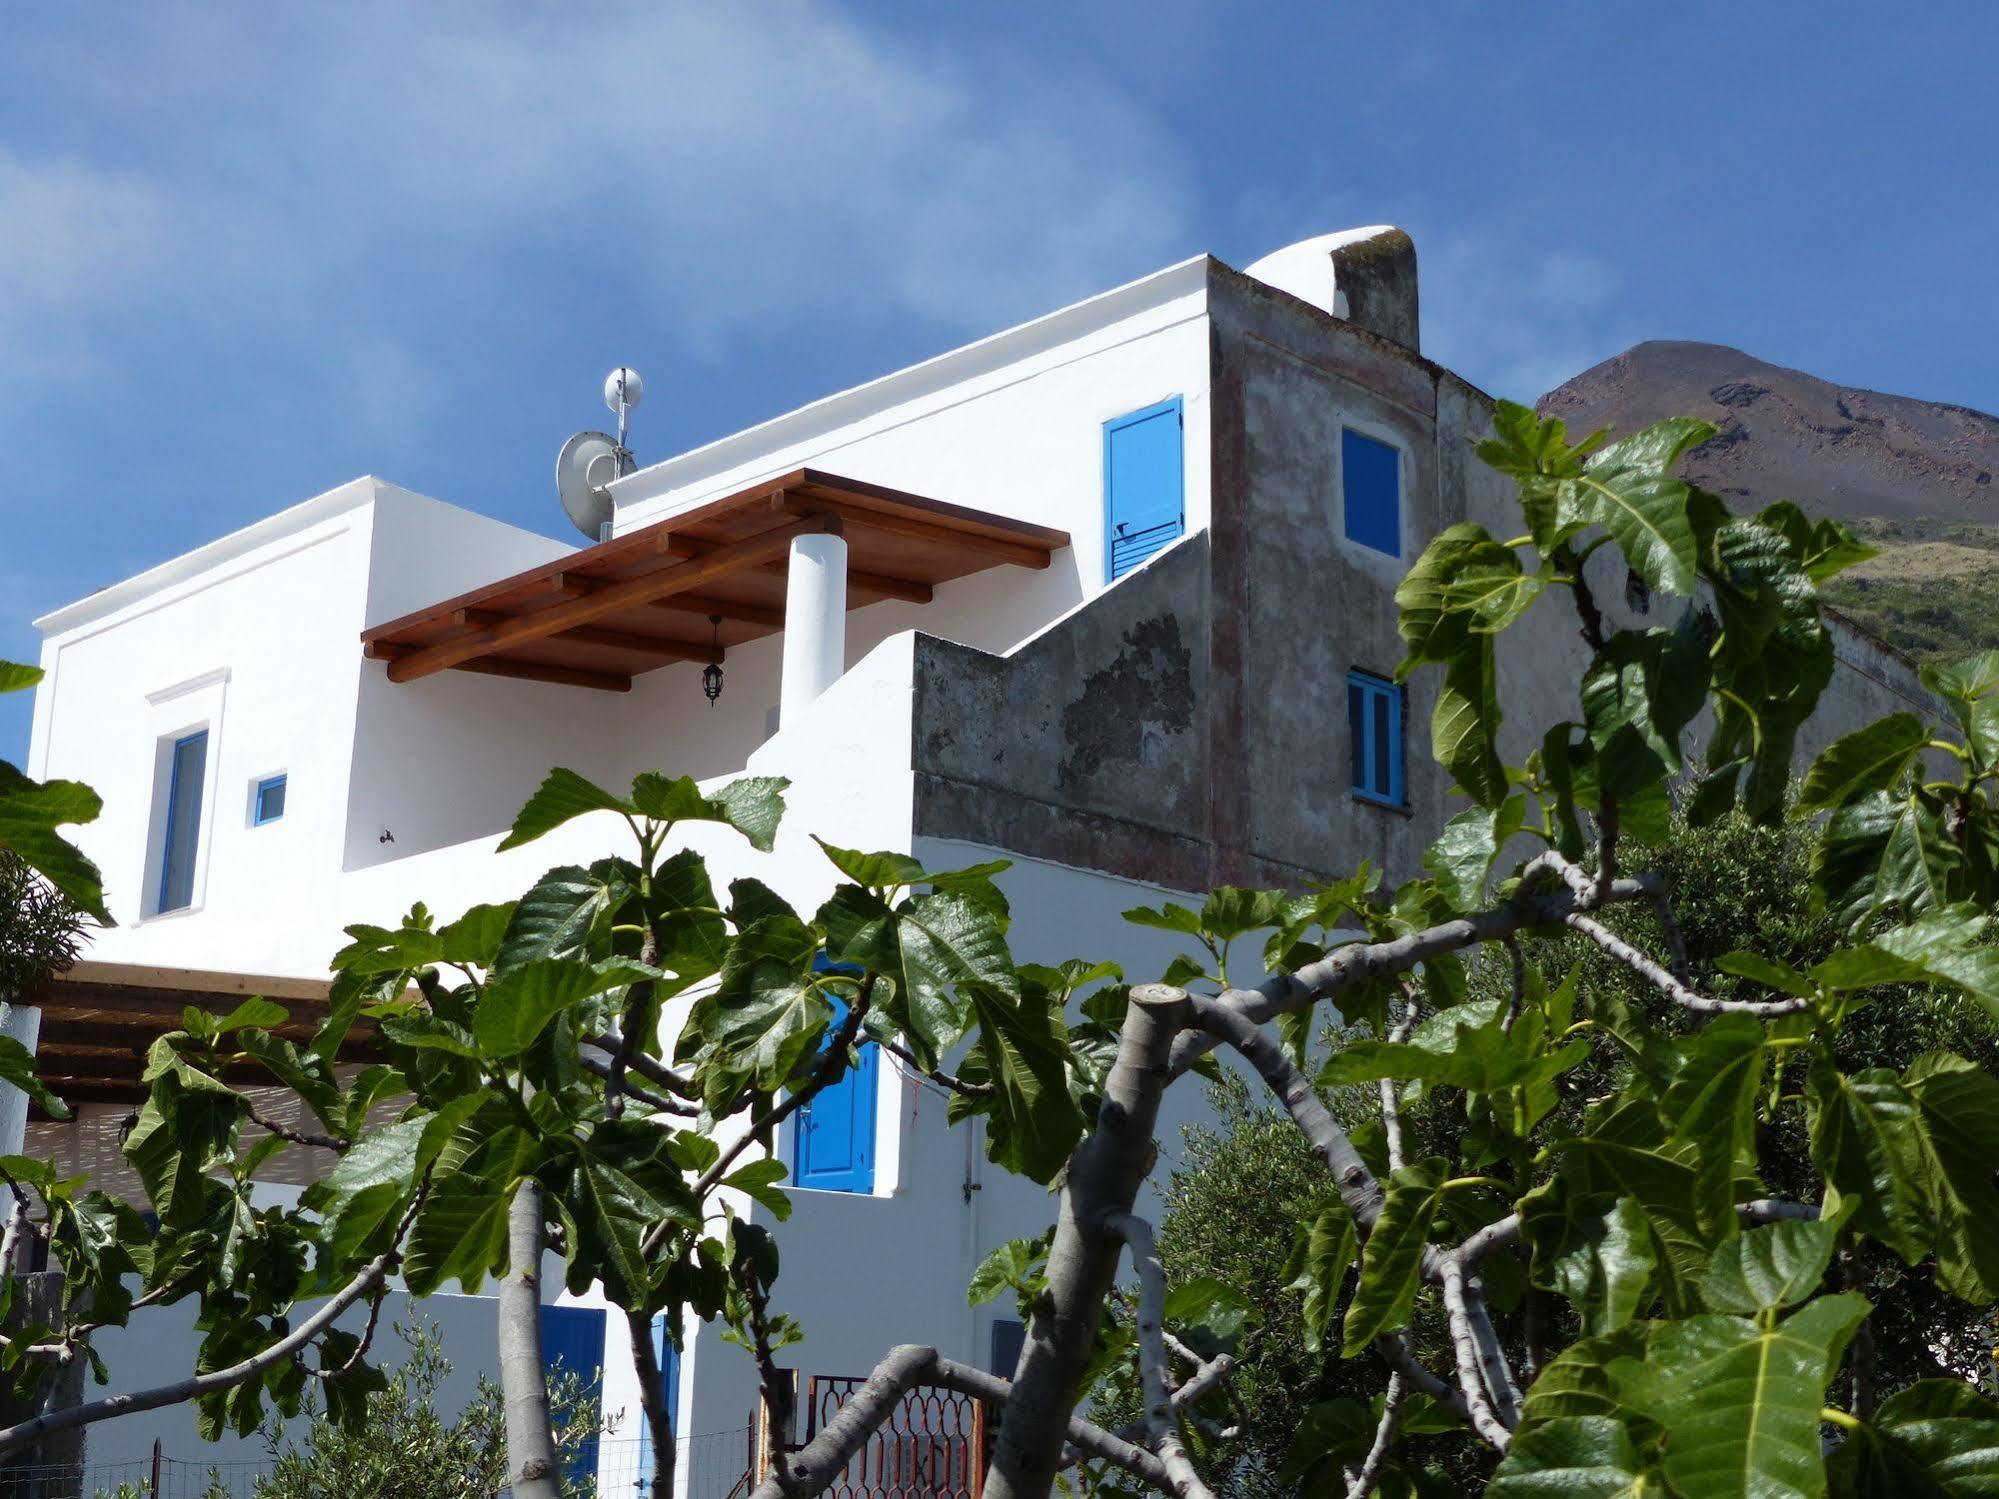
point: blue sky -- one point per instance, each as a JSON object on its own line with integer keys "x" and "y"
{"x": 250, "y": 251}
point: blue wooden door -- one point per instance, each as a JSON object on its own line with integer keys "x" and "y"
{"x": 572, "y": 1341}
{"x": 669, "y": 1380}
{"x": 1145, "y": 504}
{"x": 834, "y": 1142}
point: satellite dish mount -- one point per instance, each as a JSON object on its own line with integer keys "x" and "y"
{"x": 589, "y": 461}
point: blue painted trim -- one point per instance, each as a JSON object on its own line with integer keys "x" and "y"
{"x": 859, "y": 1089}
{"x": 259, "y": 816}
{"x": 574, "y": 1336}
{"x": 166, "y": 902}
{"x": 1379, "y": 696}
{"x": 1174, "y": 406}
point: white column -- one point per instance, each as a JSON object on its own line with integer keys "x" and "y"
{"x": 815, "y": 622}
{"x": 24, "y": 1024}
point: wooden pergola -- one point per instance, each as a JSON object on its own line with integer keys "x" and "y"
{"x": 98, "y": 1019}
{"x": 691, "y": 586}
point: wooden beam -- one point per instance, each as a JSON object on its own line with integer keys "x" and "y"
{"x": 195, "y": 985}
{"x": 555, "y": 618}
{"x": 705, "y": 605}
{"x": 615, "y": 640}
{"x": 503, "y": 666}
{"x": 916, "y": 528}
{"x": 880, "y": 584}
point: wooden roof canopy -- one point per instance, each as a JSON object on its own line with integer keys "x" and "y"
{"x": 647, "y": 599}
{"x": 98, "y": 1019}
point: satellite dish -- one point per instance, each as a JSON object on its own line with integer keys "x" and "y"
{"x": 588, "y": 462}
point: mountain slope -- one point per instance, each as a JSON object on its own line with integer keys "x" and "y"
{"x": 1915, "y": 477}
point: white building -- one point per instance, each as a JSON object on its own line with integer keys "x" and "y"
{"x": 1118, "y": 607}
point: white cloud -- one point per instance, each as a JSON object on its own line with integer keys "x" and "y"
{"x": 1517, "y": 321}
{"x": 728, "y": 168}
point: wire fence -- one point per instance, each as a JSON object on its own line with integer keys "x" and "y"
{"x": 713, "y": 1465}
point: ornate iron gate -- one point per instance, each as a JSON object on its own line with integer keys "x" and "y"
{"x": 932, "y": 1447}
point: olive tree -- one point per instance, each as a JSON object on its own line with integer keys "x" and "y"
{"x": 1602, "y": 1290}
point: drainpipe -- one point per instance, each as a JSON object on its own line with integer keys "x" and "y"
{"x": 815, "y": 621}
{"x": 22, "y": 1023}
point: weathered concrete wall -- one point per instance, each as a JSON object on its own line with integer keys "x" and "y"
{"x": 1088, "y": 744}
{"x": 1189, "y": 725}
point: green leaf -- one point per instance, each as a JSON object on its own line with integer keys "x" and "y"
{"x": 1711, "y": 1106}
{"x": 884, "y": 872}
{"x": 1628, "y": 488}
{"x": 1168, "y": 918}
{"x": 933, "y": 947}
{"x": 1595, "y": 1250}
{"x": 14, "y": 677}
{"x": 758, "y": 1181}
{"x": 1467, "y": 1046}
{"x": 566, "y": 914}
{"x": 1391, "y": 1261}
{"x": 1938, "y": 1439}
{"x": 768, "y": 1012}
{"x": 1958, "y": 1118}
{"x": 1970, "y": 689}
{"x": 1740, "y": 1401}
{"x": 1576, "y": 1381}
{"x": 519, "y": 1003}
{"x": 1943, "y": 946}
{"x": 475, "y": 937}
{"x": 1010, "y": 1267}
{"x": 752, "y": 805}
{"x": 1034, "y": 1123}
{"x": 1464, "y": 724}
{"x": 1865, "y": 1140}
{"x": 1770, "y": 1268}
{"x": 1462, "y": 856}
{"x": 1885, "y": 853}
{"x": 30, "y": 813}
{"x": 17, "y": 1066}
{"x": 1874, "y": 758}
{"x": 460, "y": 1234}
{"x": 1767, "y": 972}
{"x": 563, "y": 796}
{"x": 1576, "y": 1457}
{"x": 1318, "y": 1267}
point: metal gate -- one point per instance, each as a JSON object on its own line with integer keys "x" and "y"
{"x": 932, "y": 1447}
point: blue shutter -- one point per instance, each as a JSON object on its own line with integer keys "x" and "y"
{"x": 833, "y": 1143}
{"x": 1374, "y": 733}
{"x": 1371, "y": 492}
{"x": 1145, "y": 504}
{"x": 572, "y": 1339}
{"x": 187, "y": 769}
{"x": 669, "y": 1379}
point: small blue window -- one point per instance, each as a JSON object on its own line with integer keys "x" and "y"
{"x": 1145, "y": 506}
{"x": 1374, "y": 729}
{"x": 269, "y": 802}
{"x": 572, "y": 1342}
{"x": 834, "y": 1143}
{"x": 187, "y": 768}
{"x": 1371, "y": 492}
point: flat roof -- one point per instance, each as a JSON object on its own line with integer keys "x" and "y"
{"x": 654, "y": 596}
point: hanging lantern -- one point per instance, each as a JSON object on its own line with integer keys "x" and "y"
{"x": 711, "y": 674}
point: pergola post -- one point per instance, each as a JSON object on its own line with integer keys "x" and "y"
{"x": 815, "y": 620}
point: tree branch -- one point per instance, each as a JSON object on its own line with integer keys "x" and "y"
{"x": 648, "y": 1067}
{"x": 618, "y": 1084}
{"x": 1670, "y": 986}
{"x": 948, "y": 1081}
{"x": 333, "y": 1143}
{"x": 198, "y": 1385}
{"x": 652, "y": 1404}
{"x": 1464, "y": 1343}
{"x": 815, "y": 1465}
{"x": 1362, "y": 1480}
{"x": 1161, "y": 1424}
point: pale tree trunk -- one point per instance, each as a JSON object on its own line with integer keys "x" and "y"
{"x": 531, "y": 1466}
{"x": 1105, "y": 1174}
{"x": 652, "y": 1402}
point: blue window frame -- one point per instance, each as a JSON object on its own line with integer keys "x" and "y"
{"x": 1145, "y": 504}
{"x": 572, "y": 1340}
{"x": 833, "y": 1143}
{"x": 1374, "y": 729}
{"x": 668, "y": 1358}
{"x": 187, "y": 768}
{"x": 1371, "y": 492}
{"x": 268, "y": 803}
